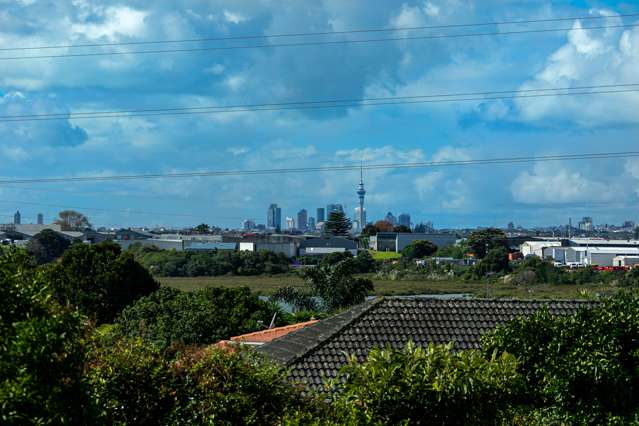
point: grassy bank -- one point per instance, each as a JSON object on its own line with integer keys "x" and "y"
{"x": 268, "y": 284}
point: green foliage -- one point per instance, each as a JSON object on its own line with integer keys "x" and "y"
{"x": 202, "y": 228}
{"x": 369, "y": 230}
{"x": 331, "y": 259}
{"x": 41, "y": 352}
{"x": 495, "y": 261}
{"x": 328, "y": 288}
{"x": 402, "y": 228}
{"x": 338, "y": 224}
{"x": 365, "y": 262}
{"x": 585, "y": 366}
{"x": 169, "y": 316}
{"x": 433, "y": 384}
{"x": 418, "y": 250}
{"x": 47, "y": 245}
{"x": 482, "y": 241}
{"x": 70, "y": 220}
{"x": 99, "y": 280}
{"x": 456, "y": 251}
{"x": 133, "y": 383}
{"x": 171, "y": 263}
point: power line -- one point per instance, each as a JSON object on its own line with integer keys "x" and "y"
{"x": 337, "y": 103}
{"x": 314, "y": 43}
{"x": 310, "y": 34}
{"x": 490, "y": 161}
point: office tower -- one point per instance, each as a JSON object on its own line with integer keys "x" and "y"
{"x": 17, "y": 218}
{"x": 311, "y": 224}
{"x": 40, "y": 219}
{"x": 274, "y": 217}
{"x": 333, "y": 208}
{"x": 391, "y": 219}
{"x": 586, "y": 224}
{"x": 248, "y": 225}
{"x": 360, "y": 212}
{"x": 320, "y": 214}
{"x": 302, "y": 219}
{"x": 404, "y": 219}
{"x": 290, "y": 223}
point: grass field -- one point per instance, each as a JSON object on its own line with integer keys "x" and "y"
{"x": 385, "y": 255}
{"x": 268, "y": 284}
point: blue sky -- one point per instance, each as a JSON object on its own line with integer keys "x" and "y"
{"x": 528, "y": 194}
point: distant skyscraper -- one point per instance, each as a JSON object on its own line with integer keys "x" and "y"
{"x": 248, "y": 225}
{"x": 586, "y": 224}
{"x": 320, "y": 214}
{"x": 302, "y": 219}
{"x": 311, "y": 224}
{"x": 274, "y": 217}
{"x": 404, "y": 219}
{"x": 290, "y": 223}
{"x": 511, "y": 227}
{"x": 40, "y": 219}
{"x": 17, "y": 218}
{"x": 333, "y": 208}
{"x": 360, "y": 212}
{"x": 391, "y": 219}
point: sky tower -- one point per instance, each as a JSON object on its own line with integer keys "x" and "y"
{"x": 360, "y": 213}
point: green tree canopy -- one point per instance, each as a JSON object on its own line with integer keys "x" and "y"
{"x": 495, "y": 261}
{"x": 47, "y": 245}
{"x": 369, "y": 230}
{"x": 419, "y": 249}
{"x": 482, "y": 241}
{"x": 99, "y": 279}
{"x": 338, "y": 224}
{"x": 169, "y": 316}
{"x": 202, "y": 228}
{"x": 70, "y": 220}
{"x": 402, "y": 228}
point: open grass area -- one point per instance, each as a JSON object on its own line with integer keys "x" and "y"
{"x": 385, "y": 255}
{"x": 268, "y": 284}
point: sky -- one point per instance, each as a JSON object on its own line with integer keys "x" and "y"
{"x": 529, "y": 194}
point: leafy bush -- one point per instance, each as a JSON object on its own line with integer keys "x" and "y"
{"x": 171, "y": 263}
{"x": 485, "y": 240}
{"x": 495, "y": 261}
{"x": 169, "y": 316}
{"x": 586, "y": 365}
{"x": 419, "y": 249}
{"x": 99, "y": 280}
{"x": 47, "y": 245}
{"x": 41, "y": 351}
{"x": 433, "y": 384}
{"x": 132, "y": 383}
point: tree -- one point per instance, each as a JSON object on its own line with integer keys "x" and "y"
{"x": 338, "y": 224}
{"x": 481, "y": 242}
{"x": 409, "y": 385}
{"x": 47, "y": 245}
{"x": 70, "y": 220}
{"x": 335, "y": 286}
{"x": 383, "y": 226}
{"x": 169, "y": 316}
{"x": 202, "y": 228}
{"x": 495, "y": 261}
{"x": 41, "y": 348}
{"x": 419, "y": 249}
{"x": 369, "y": 230}
{"x": 402, "y": 228}
{"x": 99, "y": 279}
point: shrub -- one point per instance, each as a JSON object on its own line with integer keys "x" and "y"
{"x": 47, "y": 245}
{"x": 419, "y": 249}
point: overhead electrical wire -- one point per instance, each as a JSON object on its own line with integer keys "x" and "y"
{"x": 335, "y": 103}
{"x": 314, "y": 43}
{"x": 337, "y": 168}
{"x": 315, "y": 34}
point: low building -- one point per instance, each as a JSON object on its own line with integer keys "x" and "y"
{"x": 536, "y": 248}
{"x": 625, "y": 261}
{"x": 208, "y": 246}
{"x": 131, "y": 234}
{"x": 325, "y": 245}
{"x": 287, "y": 249}
{"x": 397, "y": 241}
{"x": 317, "y": 352}
{"x": 264, "y": 336}
{"x": 161, "y": 244}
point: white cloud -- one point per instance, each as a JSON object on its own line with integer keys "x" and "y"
{"x": 235, "y": 82}
{"x": 234, "y": 17}
{"x": 120, "y": 20}
{"x": 298, "y": 153}
{"x": 631, "y": 168}
{"x": 549, "y": 184}
{"x": 588, "y": 58}
{"x": 240, "y": 150}
{"x": 216, "y": 69}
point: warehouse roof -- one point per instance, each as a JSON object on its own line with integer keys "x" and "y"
{"x": 317, "y": 352}
{"x": 329, "y": 242}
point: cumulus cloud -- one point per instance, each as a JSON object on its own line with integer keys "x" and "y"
{"x": 114, "y": 21}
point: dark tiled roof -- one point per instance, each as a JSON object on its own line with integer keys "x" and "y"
{"x": 319, "y": 351}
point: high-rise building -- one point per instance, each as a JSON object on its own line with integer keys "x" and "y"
{"x": 586, "y": 224}
{"x": 290, "y": 223}
{"x": 391, "y": 219}
{"x": 320, "y": 215}
{"x": 40, "y": 219}
{"x": 302, "y": 219}
{"x": 333, "y": 208}
{"x": 404, "y": 219}
{"x": 360, "y": 212}
{"x": 511, "y": 227}
{"x": 248, "y": 224}
{"x": 274, "y": 217}
{"x": 311, "y": 224}
{"x": 17, "y": 219}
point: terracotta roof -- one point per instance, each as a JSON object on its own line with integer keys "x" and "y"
{"x": 316, "y": 353}
{"x": 265, "y": 336}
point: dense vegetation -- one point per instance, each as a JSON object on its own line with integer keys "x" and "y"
{"x": 171, "y": 263}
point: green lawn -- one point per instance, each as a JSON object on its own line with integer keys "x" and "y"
{"x": 268, "y": 284}
{"x": 385, "y": 255}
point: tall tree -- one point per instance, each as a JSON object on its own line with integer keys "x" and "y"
{"x": 482, "y": 241}
{"x": 402, "y": 228}
{"x": 202, "y": 228}
{"x": 47, "y": 245}
{"x": 419, "y": 249}
{"x": 70, "y": 220}
{"x": 338, "y": 224}
{"x": 383, "y": 226}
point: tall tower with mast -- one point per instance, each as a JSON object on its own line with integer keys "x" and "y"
{"x": 360, "y": 213}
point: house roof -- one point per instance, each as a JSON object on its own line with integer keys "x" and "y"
{"x": 264, "y": 336}
{"x": 317, "y": 352}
